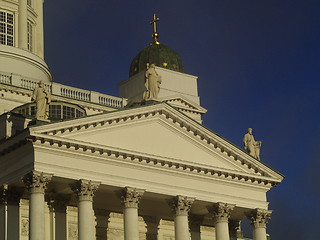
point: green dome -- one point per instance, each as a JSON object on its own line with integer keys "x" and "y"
{"x": 160, "y": 55}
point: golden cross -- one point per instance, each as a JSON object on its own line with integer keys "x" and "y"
{"x": 155, "y": 35}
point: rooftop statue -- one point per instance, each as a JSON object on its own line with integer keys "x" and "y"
{"x": 42, "y": 98}
{"x": 252, "y": 146}
{"x": 152, "y": 84}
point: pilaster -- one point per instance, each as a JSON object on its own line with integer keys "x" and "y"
{"x": 195, "y": 226}
{"x": 58, "y": 204}
{"x": 22, "y": 24}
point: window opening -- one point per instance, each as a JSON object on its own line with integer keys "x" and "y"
{"x": 6, "y": 28}
{"x": 29, "y": 30}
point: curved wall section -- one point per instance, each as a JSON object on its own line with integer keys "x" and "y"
{"x": 20, "y": 62}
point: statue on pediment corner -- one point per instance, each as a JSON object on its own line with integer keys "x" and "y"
{"x": 253, "y": 147}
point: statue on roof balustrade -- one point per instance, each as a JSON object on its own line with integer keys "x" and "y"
{"x": 42, "y": 98}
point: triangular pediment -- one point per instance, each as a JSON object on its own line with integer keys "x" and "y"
{"x": 182, "y": 102}
{"x": 161, "y": 132}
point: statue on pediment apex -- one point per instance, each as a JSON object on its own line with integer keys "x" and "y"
{"x": 252, "y": 146}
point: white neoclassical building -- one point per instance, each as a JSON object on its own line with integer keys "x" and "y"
{"x": 107, "y": 168}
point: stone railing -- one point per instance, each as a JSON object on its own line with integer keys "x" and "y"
{"x": 111, "y": 101}
{"x": 75, "y": 93}
{"x": 5, "y": 78}
{"x": 64, "y": 91}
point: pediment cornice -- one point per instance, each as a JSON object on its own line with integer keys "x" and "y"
{"x": 168, "y": 114}
{"x": 182, "y": 103}
{"x": 55, "y": 143}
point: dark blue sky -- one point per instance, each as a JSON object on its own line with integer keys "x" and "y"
{"x": 258, "y": 66}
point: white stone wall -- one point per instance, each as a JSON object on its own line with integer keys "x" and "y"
{"x": 108, "y": 227}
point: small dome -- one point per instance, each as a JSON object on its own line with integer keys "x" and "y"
{"x": 160, "y": 55}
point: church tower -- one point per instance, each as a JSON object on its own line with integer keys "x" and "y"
{"x": 22, "y": 41}
{"x": 177, "y": 87}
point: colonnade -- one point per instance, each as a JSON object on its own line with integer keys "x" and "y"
{"x": 36, "y": 183}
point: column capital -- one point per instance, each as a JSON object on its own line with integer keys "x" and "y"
{"x": 4, "y": 194}
{"x": 85, "y": 189}
{"x": 221, "y": 211}
{"x": 259, "y": 217}
{"x": 181, "y": 205}
{"x": 36, "y": 182}
{"x": 130, "y": 197}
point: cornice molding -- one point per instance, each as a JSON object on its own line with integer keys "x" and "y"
{"x": 120, "y": 155}
{"x": 48, "y": 137}
{"x": 169, "y": 114}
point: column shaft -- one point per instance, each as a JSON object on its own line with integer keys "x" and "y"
{"x": 60, "y": 225}
{"x": 22, "y": 25}
{"x": 181, "y": 227}
{"x": 36, "y": 216}
{"x": 3, "y": 221}
{"x": 259, "y": 233}
{"x": 85, "y": 220}
{"x": 222, "y": 230}
{"x": 13, "y": 222}
{"x": 131, "y": 223}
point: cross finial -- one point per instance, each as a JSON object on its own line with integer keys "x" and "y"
{"x": 155, "y": 35}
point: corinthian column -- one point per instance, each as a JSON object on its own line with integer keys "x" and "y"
{"x": 58, "y": 204}
{"x": 221, "y": 214}
{"x": 195, "y": 226}
{"x": 259, "y": 219}
{"x": 130, "y": 200}
{"x": 85, "y": 189}
{"x": 3, "y": 211}
{"x": 36, "y": 183}
{"x": 181, "y": 206}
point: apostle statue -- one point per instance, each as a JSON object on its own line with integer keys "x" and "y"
{"x": 152, "y": 84}
{"x": 252, "y": 146}
{"x": 42, "y": 98}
